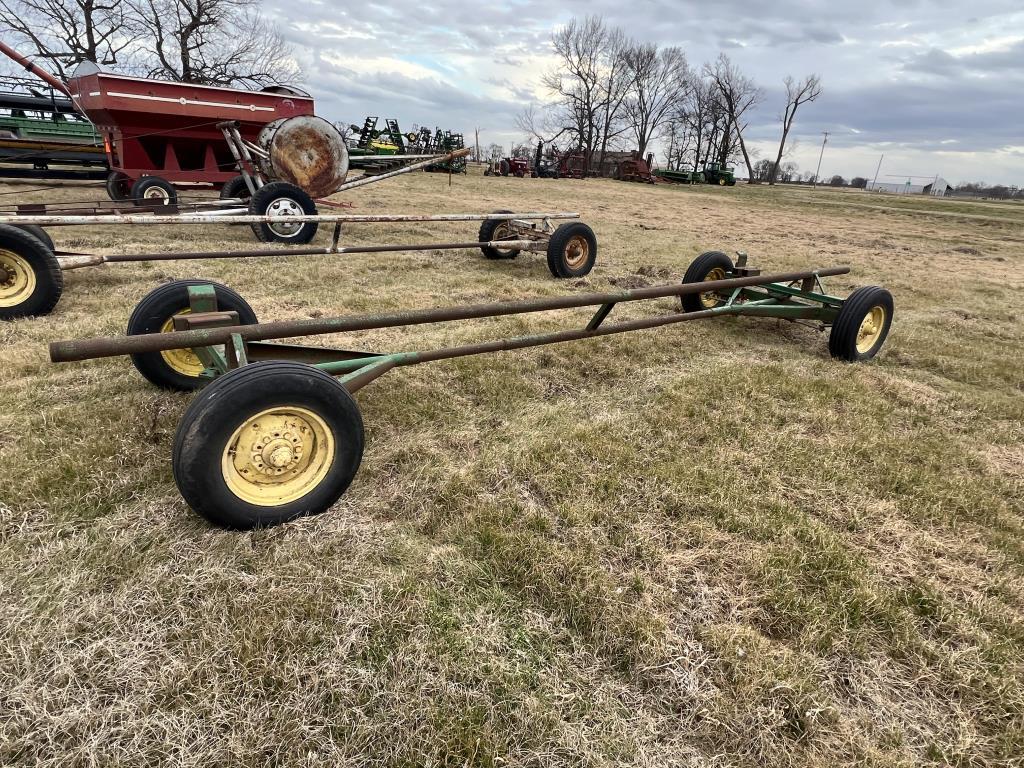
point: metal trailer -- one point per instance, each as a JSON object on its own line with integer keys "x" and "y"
{"x": 31, "y": 271}
{"x": 272, "y": 436}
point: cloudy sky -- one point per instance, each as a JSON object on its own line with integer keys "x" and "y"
{"x": 935, "y": 85}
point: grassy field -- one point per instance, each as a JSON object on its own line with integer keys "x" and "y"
{"x": 707, "y": 545}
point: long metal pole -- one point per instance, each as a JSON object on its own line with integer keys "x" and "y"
{"x": 821, "y": 154}
{"x": 415, "y": 166}
{"x": 218, "y": 218}
{"x": 83, "y": 349}
{"x": 874, "y": 181}
{"x": 328, "y": 251}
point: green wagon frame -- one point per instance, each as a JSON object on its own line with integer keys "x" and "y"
{"x": 275, "y": 433}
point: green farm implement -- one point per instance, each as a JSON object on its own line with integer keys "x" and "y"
{"x": 275, "y": 432}
{"x": 713, "y": 173}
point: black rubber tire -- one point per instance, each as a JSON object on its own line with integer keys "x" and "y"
{"x": 698, "y": 272}
{"x": 162, "y": 303}
{"x": 235, "y": 188}
{"x": 265, "y": 198}
{"x": 504, "y": 167}
{"x": 486, "y": 235}
{"x": 842, "y": 339}
{"x": 119, "y": 186}
{"x": 45, "y": 267}
{"x": 220, "y": 409}
{"x": 157, "y": 188}
{"x": 37, "y": 232}
{"x": 560, "y": 242}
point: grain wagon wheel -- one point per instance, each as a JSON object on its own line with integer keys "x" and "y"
{"x": 152, "y": 190}
{"x": 118, "y": 186}
{"x": 288, "y": 446}
{"x": 710, "y": 265}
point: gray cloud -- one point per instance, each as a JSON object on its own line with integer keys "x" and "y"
{"x": 906, "y": 73}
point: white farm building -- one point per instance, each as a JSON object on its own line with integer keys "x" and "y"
{"x": 937, "y": 188}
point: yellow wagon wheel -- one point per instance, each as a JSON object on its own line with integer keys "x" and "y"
{"x": 862, "y": 325}
{"x": 177, "y": 369}
{"x": 267, "y": 443}
{"x": 710, "y": 265}
{"x": 31, "y": 280}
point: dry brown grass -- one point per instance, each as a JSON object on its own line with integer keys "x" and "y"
{"x": 706, "y": 545}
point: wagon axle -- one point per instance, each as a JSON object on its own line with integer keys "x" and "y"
{"x": 275, "y": 432}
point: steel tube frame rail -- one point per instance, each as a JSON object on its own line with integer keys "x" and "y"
{"x": 783, "y": 306}
{"x": 326, "y": 218}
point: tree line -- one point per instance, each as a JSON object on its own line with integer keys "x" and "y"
{"x": 211, "y": 42}
{"x": 609, "y": 91}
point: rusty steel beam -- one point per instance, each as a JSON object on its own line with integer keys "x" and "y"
{"x": 84, "y": 349}
{"x": 79, "y": 260}
{"x": 330, "y": 218}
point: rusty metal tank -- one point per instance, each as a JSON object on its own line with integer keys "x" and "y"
{"x": 307, "y": 151}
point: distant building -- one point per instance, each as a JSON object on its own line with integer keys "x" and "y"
{"x": 937, "y": 188}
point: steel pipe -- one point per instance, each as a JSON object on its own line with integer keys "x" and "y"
{"x": 215, "y": 218}
{"x": 84, "y": 349}
{"x": 323, "y": 251}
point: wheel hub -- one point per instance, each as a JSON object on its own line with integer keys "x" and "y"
{"x": 285, "y": 208}
{"x": 710, "y": 300}
{"x": 576, "y": 251}
{"x": 278, "y": 456}
{"x": 870, "y": 329}
{"x": 184, "y": 361}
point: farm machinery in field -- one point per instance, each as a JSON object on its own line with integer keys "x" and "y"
{"x": 275, "y": 433}
{"x": 712, "y": 173}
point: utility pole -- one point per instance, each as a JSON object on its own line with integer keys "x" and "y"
{"x": 875, "y": 180}
{"x": 824, "y": 141}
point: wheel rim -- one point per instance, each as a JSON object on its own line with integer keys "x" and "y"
{"x": 710, "y": 300}
{"x": 17, "y": 279}
{"x": 285, "y": 208}
{"x": 183, "y": 361}
{"x": 870, "y": 329}
{"x": 576, "y": 252}
{"x": 157, "y": 193}
{"x": 502, "y": 231}
{"x": 277, "y": 456}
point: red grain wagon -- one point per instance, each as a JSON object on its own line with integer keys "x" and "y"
{"x": 157, "y": 133}
{"x": 155, "y": 128}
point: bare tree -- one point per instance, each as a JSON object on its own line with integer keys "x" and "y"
{"x": 213, "y": 42}
{"x": 590, "y": 86}
{"x": 738, "y": 94}
{"x": 615, "y": 83}
{"x": 797, "y": 93}
{"x": 67, "y": 32}
{"x": 660, "y": 80}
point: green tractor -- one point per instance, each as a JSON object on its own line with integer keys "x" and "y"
{"x": 716, "y": 173}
